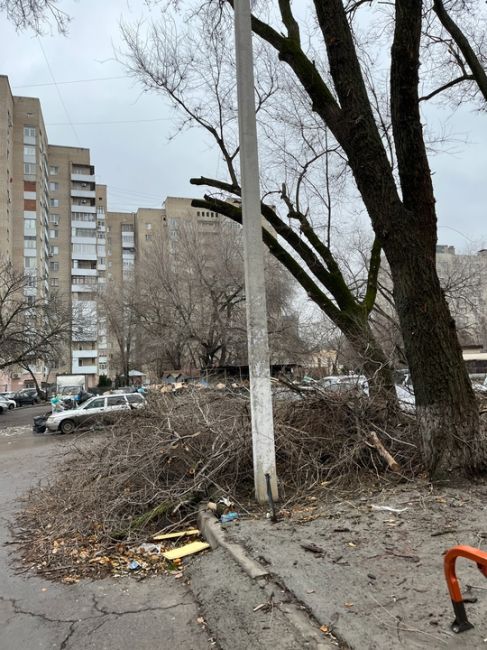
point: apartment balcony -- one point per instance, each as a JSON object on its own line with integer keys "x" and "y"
{"x": 83, "y": 194}
{"x": 83, "y": 240}
{"x": 84, "y": 370}
{"x": 83, "y": 178}
{"x": 85, "y": 354}
{"x": 85, "y": 272}
{"x": 102, "y": 267}
{"x": 84, "y": 257}
{"x": 82, "y": 207}
{"x": 83, "y": 224}
{"x": 86, "y": 288}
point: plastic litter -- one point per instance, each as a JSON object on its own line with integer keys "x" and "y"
{"x": 134, "y": 565}
{"x": 388, "y": 509}
{"x": 228, "y": 517}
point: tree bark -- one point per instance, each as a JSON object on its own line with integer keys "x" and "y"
{"x": 445, "y": 402}
{"x": 446, "y": 408}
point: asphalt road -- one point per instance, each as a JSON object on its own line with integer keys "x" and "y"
{"x": 22, "y": 416}
{"x": 110, "y": 614}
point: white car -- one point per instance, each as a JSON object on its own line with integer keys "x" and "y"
{"x": 346, "y": 383}
{"x": 6, "y": 404}
{"x": 93, "y": 411}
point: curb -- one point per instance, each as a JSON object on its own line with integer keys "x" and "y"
{"x": 211, "y": 530}
{"x": 213, "y": 533}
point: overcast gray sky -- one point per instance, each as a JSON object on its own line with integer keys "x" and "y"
{"x": 128, "y": 131}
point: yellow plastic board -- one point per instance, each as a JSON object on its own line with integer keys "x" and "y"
{"x": 189, "y": 549}
{"x": 179, "y": 533}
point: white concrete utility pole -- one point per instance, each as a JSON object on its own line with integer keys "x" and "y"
{"x": 258, "y": 345}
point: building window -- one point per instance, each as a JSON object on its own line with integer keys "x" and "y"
{"x": 83, "y": 216}
{"x": 148, "y": 237}
{"x": 148, "y": 226}
{"x": 53, "y": 170}
{"x": 30, "y": 226}
{"x": 54, "y": 282}
{"x": 54, "y": 219}
{"x": 53, "y": 233}
{"x": 54, "y": 203}
{"x": 29, "y": 132}
{"x": 54, "y": 266}
{"x": 30, "y": 263}
{"x": 83, "y": 232}
{"x": 31, "y": 300}
{"x": 53, "y": 250}
{"x": 29, "y": 151}
{"x": 87, "y": 249}
{"x": 53, "y": 186}
{"x": 29, "y": 171}
{"x": 127, "y": 227}
{"x": 29, "y": 242}
{"x": 100, "y": 209}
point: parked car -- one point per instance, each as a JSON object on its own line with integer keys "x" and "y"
{"x": 346, "y": 383}
{"x": 26, "y": 396}
{"x": 9, "y": 394}
{"x": 6, "y": 404}
{"x": 94, "y": 411}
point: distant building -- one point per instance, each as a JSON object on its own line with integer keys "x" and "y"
{"x": 464, "y": 279}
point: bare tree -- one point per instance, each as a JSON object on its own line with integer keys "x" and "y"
{"x": 331, "y": 69}
{"x": 34, "y": 14}
{"x": 191, "y": 299}
{"x": 117, "y": 304}
{"x": 32, "y": 327}
{"x": 304, "y": 172}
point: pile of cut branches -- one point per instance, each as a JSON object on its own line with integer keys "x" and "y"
{"x": 150, "y": 470}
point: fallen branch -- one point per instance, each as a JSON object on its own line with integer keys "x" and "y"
{"x": 374, "y": 441}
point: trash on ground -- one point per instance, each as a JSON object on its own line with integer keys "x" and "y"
{"x": 175, "y": 535}
{"x": 134, "y": 565}
{"x": 312, "y": 548}
{"x": 388, "y": 509}
{"x": 188, "y": 549}
{"x": 228, "y": 517}
{"x": 152, "y": 549}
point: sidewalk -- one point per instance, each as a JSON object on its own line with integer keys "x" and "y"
{"x": 378, "y": 582}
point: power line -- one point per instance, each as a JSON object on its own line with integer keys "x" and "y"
{"x": 58, "y": 92}
{"x": 72, "y": 81}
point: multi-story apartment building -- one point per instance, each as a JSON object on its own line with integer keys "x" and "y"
{"x": 52, "y": 227}
{"x": 77, "y": 208}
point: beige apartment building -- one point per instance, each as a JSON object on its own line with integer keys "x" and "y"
{"x": 52, "y": 228}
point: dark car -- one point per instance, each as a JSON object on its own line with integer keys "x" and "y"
{"x": 26, "y": 396}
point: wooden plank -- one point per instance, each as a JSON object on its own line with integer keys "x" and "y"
{"x": 189, "y": 549}
{"x": 179, "y": 533}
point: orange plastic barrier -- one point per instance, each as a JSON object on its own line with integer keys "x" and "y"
{"x": 461, "y": 622}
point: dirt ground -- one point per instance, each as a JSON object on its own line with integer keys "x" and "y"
{"x": 379, "y": 581}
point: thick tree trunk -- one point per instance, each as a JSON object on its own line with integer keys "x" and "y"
{"x": 446, "y": 407}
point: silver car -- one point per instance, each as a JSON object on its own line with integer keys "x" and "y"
{"x": 6, "y": 404}
{"x": 96, "y": 410}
